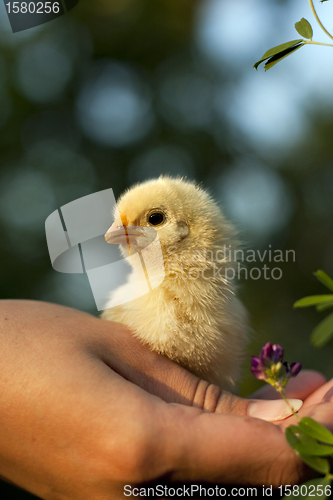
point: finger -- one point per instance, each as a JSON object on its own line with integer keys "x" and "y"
{"x": 110, "y": 345}
{"x": 322, "y": 413}
{"x": 300, "y": 387}
{"x": 174, "y": 384}
{"x": 230, "y": 450}
{"x": 112, "y": 416}
{"x": 262, "y": 451}
{"x": 324, "y": 394}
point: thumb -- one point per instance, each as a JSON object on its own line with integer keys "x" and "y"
{"x": 162, "y": 377}
{"x": 268, "y": 410}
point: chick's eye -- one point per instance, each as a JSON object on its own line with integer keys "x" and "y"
{"x": 156, "y": 218}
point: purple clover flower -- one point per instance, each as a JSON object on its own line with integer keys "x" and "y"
{"x": 294, "y": 369}
{"x": 266, "y": 354}
{"x": 269, "y": 366}
{"x": 270, "y": 355}
{"x": 258, "y": 368}
{"x": 277, "y": 353}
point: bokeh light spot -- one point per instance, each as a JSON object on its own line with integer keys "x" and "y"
{"x": 114, "y": 106}
{"x": 257, "y": 198}
{"x": 162, "y": 160}
{"x": 26, "y": 199}
{"x": 43, "y": 71}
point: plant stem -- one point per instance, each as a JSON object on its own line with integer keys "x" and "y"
{"x": 318, "y": 20}
{"x": 287, "y": 401}
{"x": 318, "y": 43}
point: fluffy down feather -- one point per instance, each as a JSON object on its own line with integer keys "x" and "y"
{"x": 193, "y": 317}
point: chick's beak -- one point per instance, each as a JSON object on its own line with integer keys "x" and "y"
{"x": 121, "y": 232}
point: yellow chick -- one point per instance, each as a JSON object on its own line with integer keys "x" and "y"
{"x": 193, "y": 317}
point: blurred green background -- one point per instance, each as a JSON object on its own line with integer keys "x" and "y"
{"x": 120, "y": 91}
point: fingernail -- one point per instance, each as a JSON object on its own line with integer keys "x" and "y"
{"x": 272, "y": 410}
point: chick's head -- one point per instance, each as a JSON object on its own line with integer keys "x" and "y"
{"x": 183, "y": 215}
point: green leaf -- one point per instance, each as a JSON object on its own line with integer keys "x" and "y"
{"x": 317, "y": 463}
{"x": 274, "y": 60}
{"x": 291, "y": 436}
{"x": 325, "y": 305}
{"x": 307, "y": 493}
{"x": 324, "y": 278}
{"x": 323, "y": 332}
{"x": 304, "y": 28}
{"x": 313, "y": 300}
{"x": 315, "y": 430}
{"x": 306, "y": 445}
{"x": 275, "y": 51}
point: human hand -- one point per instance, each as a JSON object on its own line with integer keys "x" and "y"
{"x": 86, "y": 408}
